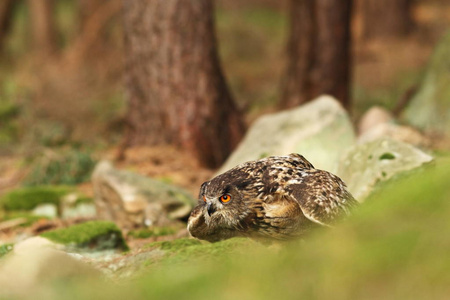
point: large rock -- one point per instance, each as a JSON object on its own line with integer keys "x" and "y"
{"x": 36, "y": 263}
{"x": 132, "y": 200}
{"x": 429, "y": 109}
{"x": 367, "y": 164}
{"x": 320, "y": 130}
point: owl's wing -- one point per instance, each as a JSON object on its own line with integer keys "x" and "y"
{"x": 304, "y": 163}
{"x": 322, "y": 196}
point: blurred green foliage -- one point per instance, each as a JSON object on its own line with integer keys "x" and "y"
{"x": 68, "y": 167}
{"x": 98, "y": 234}
{"x": 5, "y": 248}
{"x": 27, "y": 198}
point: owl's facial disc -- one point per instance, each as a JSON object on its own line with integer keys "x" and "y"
{"x": 213, "y": 205}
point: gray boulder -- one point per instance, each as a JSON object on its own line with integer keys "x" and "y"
{"x": 365, "y": 165}
{"x": 132, "y": 200}
{"x": 429, "y": 109}
{"x": 319, "y": 130}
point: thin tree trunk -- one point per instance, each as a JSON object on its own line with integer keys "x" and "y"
{"x": 386, "y": 18}
{"x": 332, "y": 68}
{"x": 6, "y": 14}
{"x": 175, "y": 88}
{"x": 43, "y": 26}
{"x": 300, "y": 48}
{"x": 319, "y": 57}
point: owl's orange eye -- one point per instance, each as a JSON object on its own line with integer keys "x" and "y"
{"x": 225, "y": 198}
{"x": 204, "y": 198}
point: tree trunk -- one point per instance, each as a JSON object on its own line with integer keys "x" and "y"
{"x": 43, "y": 26}
{"x": 6, "y": 14}
{"x": 318, "y": 52}
{"x": 175, "y": 88}
{"x": 386, "y": 18}
{"x": 297, "y": 87}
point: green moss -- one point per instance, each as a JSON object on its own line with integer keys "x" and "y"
{"x": 28, "y": 198}
{"x": 5, "y": 248}
{"x": 188, "y": 250}
{"x": 387, "y": 155}
{"x": 94, "y": 234}
{"x": 146, "y": 233}
{"x": 84, "y": 200}
{"x": 174, "y": 245}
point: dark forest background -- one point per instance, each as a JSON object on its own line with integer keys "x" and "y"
{"x": 72, "y": 72}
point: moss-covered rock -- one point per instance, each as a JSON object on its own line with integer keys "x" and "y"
{"x": 365, "y": 166}
{"x": 97, "y": 235}
{"x": 27, "y": 198}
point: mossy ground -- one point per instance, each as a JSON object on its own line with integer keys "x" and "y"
{"x": 27, "y": 198}
{"x": 395, "y": 246}
{"x": 150, "y": 232}
{"x": 93, "y": 234}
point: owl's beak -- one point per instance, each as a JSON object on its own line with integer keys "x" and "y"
{"x": 210, "y": 208}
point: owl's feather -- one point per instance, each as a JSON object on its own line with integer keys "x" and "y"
{"x": 278, "y": 197}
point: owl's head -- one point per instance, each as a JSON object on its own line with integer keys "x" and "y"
{"x": 221, "y": 208}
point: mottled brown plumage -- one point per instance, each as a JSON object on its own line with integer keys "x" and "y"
{"x": 278, "y": 197}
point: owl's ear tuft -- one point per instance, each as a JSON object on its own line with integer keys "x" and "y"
{"x": 202, "y": 189}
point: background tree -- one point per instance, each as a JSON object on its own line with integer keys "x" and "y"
{"x": 386, "y": 18}
{"x": 318, "y": 52}
{"x": 6, "y": 15}
{"x": 43, "y": 26}
{"x": 175, "y": 87}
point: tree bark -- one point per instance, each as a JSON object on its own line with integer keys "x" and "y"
{"x": 297, "y": 87}
{"x": 176, "y": 91}
{"x": 43, "y": 26}
{"x": 319, "y": 53}
{"x": 331, "y": 74}
{"x": 6, "y": 14}
{"x": 386, "y": 18}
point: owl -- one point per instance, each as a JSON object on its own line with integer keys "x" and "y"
{"x": 275, "y": 198}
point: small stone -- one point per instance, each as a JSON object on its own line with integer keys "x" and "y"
{"x": 397, "y": 132}
{"x": 375, "y": 116}
{"x": 46, "y": 210}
